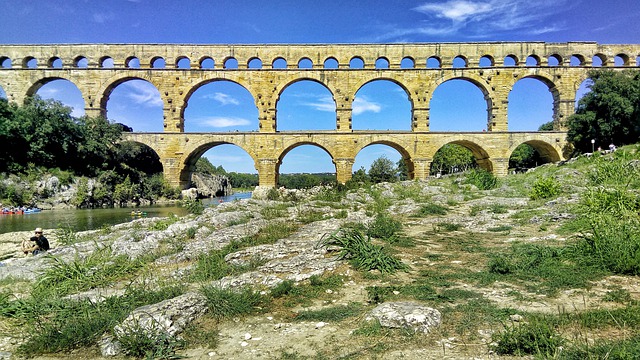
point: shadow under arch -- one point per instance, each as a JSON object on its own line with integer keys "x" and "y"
{"x": 547, "y": 152}
{"x": 281, "y": 88}
{"x": 479, "y": 83}
{"x": 480, "y": 154}
{"x": 194, "y": 88}
{"x": 141, "y": 156}
{"x": 404, "y": 154}
{"x": 190, "y": 161}
{"x": 296, "y": 145}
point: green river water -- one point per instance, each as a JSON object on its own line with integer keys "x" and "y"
{"x": 88, "y": 219}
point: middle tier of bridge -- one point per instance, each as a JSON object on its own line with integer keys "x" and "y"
{"x": 179, "y": 152}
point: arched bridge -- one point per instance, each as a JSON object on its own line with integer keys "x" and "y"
{"x": 96, "y": 69}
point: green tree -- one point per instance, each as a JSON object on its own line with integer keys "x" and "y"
{"x": 382, "y": 170}
{"x": 452, "y": 158}
{"x": 548, "y": 126}
{"x": 360, "y": 176}
{"x": 402, "y": 169}
{"x": 525, "y": 156}
{"x": 609, "y": 113}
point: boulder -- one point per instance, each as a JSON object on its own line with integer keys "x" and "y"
{"x": 211, "y": 185}
{"x": 406, "y": 315}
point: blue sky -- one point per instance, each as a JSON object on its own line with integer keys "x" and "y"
{"x": 223, "y": 106}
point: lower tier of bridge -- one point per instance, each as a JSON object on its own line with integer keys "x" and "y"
{"x": 179, "y": 152}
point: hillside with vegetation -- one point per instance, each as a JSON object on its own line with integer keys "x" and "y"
{"x": 540, "y": 264}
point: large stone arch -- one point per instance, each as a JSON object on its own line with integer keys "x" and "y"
{"x": 108, "y": 86}
{"x": 481, "y": 83}
{"x": 192, "y": 88}
{"x": 357, "y": 86}
{"x": 548, "y": 80}
{"x": 404, "y": 153}
{"x": 191, "y": 158}
{"x": 482, "y": 155}
{"x": 294, "y": 145}
{"x": 546, "y": 150}
{"x": 282, "y": 86}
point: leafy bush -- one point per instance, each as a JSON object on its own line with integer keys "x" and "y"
{"x": 482, "y": 179}
{"x": 194, "y": 206}
{"x": 545, "y": 188}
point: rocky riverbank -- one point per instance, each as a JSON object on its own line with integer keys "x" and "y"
{"x": 320, "y": 305}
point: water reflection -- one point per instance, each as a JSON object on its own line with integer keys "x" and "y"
{"x": 88, "y": 219}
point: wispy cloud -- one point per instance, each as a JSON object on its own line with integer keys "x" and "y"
{"x": 485, "y": 18}
{"x": 361, "y": 105}
{"x": 222, "y": 122}
{"x": 143, "y": 93}
{"x": 323, "y": 103}
{"x": 222, "y": 98}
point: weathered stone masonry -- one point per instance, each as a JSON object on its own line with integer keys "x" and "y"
{"x": 85, "y": 66}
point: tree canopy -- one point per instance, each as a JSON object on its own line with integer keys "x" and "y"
{"x": 609, "y": 113}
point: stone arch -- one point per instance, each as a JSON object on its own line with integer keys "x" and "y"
{"x": 404, "y": 153}
{"x": 294, "y": 145}
{"x": 577, "y": 60}
{"x": 357, "y": 62}
{"x": 230, "y": 62}
{"x": 5, "y": 62}
{"x": 533, "y": 60}
{"x": 204, "y": 62}
{"x": 183, "y": 62}
{"x": 407, "y": 62}
{"x": 555, "y": 60}
{"x": 155, "y": 152}
{"x": 479, "y": 153}
{"x": 132, "y": 62}
{"x": 382, "y": 63}
{"x": 254, "y": 63}
{"x": 547, "y": 80}
{"x": 460, "y": 61}
{"x": 477, "y": 81}
{"x": 511, "y": 58}
{"x": 109, "y": 86}
{"x": 331, "y": 63}
{"x": 547, "y": 151}
{"x": 157, "y": 62}
{"x": 281, "y": 89}
{"x": 80, "y": 62}
{"x": 395, "y": 82}
{"x": 35, "y": 86}
{"x": 54, "y": 63}
{"x": 194, "y": 87}
{"x": 604, "y": 60}
{"x": 279, "y": 62}
{"x": 106, "y": 62}
{"x": 305, "y": 63}
{"x": 190, "y": 160}
{"x": 434, "y": 62}
{"x": 30, "y": 62}
{"x": 486, "y": 61}
{"x": 624, "y": 59}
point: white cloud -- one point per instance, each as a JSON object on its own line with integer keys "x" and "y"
{"x": 324, "y": 103}
{"x": 362, "y": 105}
{"x": 221, "y": 121}
{"x": 143, "y": 93}
{"x": 485, "y": 18}
{"x": 225, "y": 99}
{"x": 456, "y": 10}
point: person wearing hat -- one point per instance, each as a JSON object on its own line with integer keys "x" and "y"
{"x": 40, "y": 243}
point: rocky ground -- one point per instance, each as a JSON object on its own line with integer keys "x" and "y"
{"x": 460, "y": 241}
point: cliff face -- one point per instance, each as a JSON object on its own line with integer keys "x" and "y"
{"x": 211, "y": 185}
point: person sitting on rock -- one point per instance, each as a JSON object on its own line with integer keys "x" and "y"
{"x": 40, "y": 243}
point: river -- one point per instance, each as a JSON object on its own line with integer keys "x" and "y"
{"x": 88, "y": 219}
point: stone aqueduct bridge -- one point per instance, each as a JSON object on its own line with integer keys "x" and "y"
{"x": 96, "y": 69}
